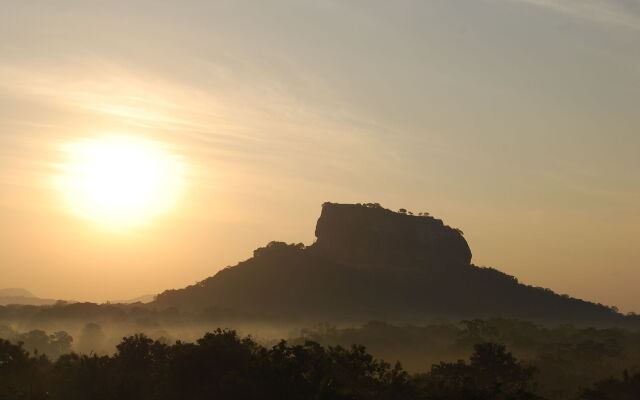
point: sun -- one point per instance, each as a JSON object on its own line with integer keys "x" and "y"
{"x": 118, "y": 181}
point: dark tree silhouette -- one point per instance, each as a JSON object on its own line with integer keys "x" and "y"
{"x": 614, "y": 389}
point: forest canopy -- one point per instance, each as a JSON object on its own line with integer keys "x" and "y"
{"x": 228, "y": 366}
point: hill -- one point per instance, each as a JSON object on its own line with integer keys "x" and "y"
{"x": 21, "y": 296}
{"x": 15, "y": 292}
{"x": 370, "y": 262}
{"x": 147, "y": 298}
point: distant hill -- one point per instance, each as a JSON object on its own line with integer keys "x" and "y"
{"x": 370, "y": 262}
{"x": 15, "y": 292}
{"x": 147, "y": 298}
{"x": 22, "y": 296}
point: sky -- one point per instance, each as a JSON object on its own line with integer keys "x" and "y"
{"x": 514, "y": 120}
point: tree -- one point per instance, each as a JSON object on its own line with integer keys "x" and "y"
{"x": 493, "y": 373}
{"x": 614, "y": 389}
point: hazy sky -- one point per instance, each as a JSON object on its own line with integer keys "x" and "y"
{"x": 517, "y": 121}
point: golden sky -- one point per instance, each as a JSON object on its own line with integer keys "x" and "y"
{"x": 514, "y": 120}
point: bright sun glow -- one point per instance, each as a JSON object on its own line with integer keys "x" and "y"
{"x": 120, "y": 182}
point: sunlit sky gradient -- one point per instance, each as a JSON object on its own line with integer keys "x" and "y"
{"x": 517, "y": 121}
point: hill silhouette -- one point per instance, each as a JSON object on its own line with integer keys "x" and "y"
{"x": 370, "y": 262}
{"x": 16, "y": 292}
{"x": 22, "y": 296}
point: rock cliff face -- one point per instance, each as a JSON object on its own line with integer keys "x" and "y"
{"x": 374, "y": 236}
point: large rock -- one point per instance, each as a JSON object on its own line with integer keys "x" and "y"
{"x": 374, "y": 236}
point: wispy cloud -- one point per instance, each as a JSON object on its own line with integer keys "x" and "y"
{"x": 624, "y": 13}
{"x": 258, "y": 127}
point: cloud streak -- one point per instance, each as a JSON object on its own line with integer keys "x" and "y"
{"x": 257, "y": 127}
{"x": 622, "y": 13}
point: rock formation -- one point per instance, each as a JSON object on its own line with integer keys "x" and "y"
{"x": 374, "y": 236}
{"x": 372, "y": 263}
